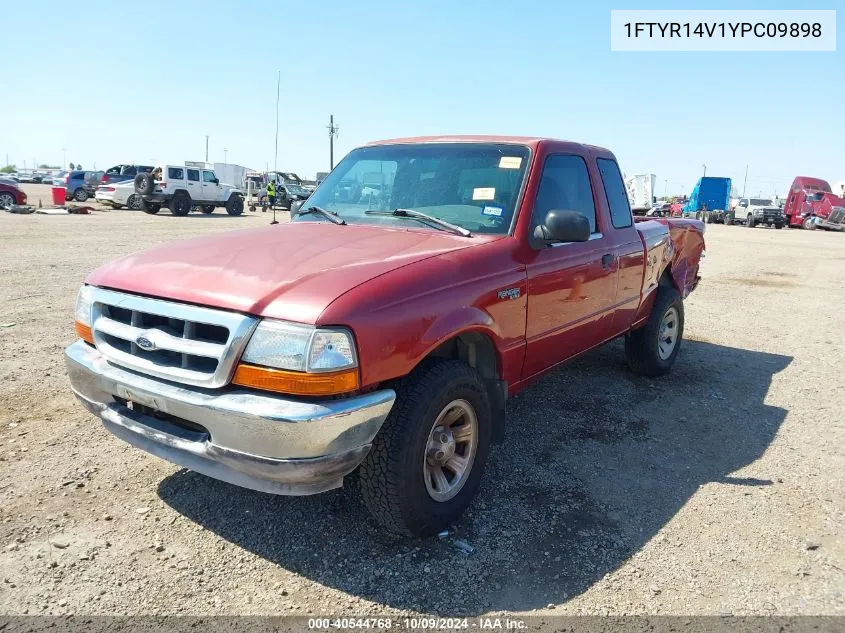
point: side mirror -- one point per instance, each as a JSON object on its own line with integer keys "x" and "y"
{"x": 295, "y": 206}
{"x": 216, "y": 181}
{"x": 563, "y": 226}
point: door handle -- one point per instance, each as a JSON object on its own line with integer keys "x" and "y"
{"x": 607, "y": 260}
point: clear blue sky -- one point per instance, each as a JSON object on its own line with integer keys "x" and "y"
{"x": 127, "y": 81}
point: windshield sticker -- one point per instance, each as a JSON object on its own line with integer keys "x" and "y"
{"x": 488, "y": 210}
{"x": 510, "y": 162}
{"x": 484, "y": 193}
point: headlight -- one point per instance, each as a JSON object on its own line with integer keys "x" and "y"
{"x": 304, "y": 348}
{"x": 84, "y": 299}
{"x": 82, "y": 316}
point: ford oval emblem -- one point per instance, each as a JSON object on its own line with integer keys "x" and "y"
{"x": 144, "y": 343}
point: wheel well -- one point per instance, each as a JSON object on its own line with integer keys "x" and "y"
{"x": 473, "y": 348}
{"x": 478, "y": 351}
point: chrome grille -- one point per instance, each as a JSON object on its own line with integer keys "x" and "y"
{"x": 175, "y": 341}
{"x": 837, "y": 215}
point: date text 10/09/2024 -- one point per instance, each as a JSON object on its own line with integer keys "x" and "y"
{"x": 422, "y": 624}
{"x": 723, "y": 29}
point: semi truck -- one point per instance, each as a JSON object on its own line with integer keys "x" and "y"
{"x": 710, "y": 199}
{"x": 641, "y": 192}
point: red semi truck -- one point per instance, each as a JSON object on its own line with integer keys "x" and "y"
{"x": 378, "y": 339}
{"x": 811, "y": 204}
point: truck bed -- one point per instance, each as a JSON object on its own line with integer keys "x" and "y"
{"x": 676, "y": 240}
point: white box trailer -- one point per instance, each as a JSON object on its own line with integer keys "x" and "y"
{"x": 232, "y": 174}
{"x": 641, "y": 191}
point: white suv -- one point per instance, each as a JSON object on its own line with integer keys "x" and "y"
{"x": 183, "y": 187}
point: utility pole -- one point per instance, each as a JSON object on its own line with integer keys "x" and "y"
{"x": 333, "y": 130}
{"x": 276, "y": 154}
{"x": 64, "y": 158}
{"x": 666, "y": 187}
{"x": 225, "y": 155}
{"x": 206, "y": 148}
{"x": 744, "y": 182}
{"x": 705, "y": 170}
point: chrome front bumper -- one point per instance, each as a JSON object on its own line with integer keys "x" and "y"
{"x": 255, "y": 440}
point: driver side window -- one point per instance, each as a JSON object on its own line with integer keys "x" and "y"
{"x": 565, "y": 185}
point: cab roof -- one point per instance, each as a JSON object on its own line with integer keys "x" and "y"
{"x": 531, "y": 141}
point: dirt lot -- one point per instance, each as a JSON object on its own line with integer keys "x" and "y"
{"x": 718, "y": 489}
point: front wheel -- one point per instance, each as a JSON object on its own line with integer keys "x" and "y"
{"x": 809, "y": 224}
{"x": 134, "y": 202}
{"x": 235, "y": 205}
{"x": 652, "y": 349}
{"x": 7, "y": 200}
{"x": 749, "y": 221}
{"x": 426, "y": 462}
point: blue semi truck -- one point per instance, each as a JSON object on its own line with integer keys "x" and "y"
{"x": 710, "y": 200}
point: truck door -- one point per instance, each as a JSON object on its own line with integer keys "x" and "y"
{"x": 628, "y": 247}
{"x": 571, "y": 286}
{"x": 210, "y": 186}
{"x": 194, "y": 186}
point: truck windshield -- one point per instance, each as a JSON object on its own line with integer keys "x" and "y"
{"x": 760, "y": 202}
{"x": 473, "y": 185}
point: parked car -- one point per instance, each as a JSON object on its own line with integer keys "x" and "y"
{"x": 26, "y": 179}
{"x": 13, "y": 176}
{"x": 10, "y": 193}
{"x": 811, "y": 204}
{"x": 183, "y": 187}
{"x": 80, "y": 185}
{"x": 60, "y": 178}
{"x": 289, "y": 193}
{"x": 383, "y": 339}
{"x": 755, "y": 211}
{"x": 122, "y": 173}
{"x": 119, "y": 194}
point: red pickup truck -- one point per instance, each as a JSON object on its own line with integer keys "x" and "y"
{"x": 378, "y": 336}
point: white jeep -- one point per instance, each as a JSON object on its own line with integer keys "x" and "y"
{"x": 183, "y": 187}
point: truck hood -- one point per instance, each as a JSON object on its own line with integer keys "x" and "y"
{"x": 291, "y": 271}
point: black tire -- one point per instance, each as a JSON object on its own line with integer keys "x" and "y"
{"x": 809, "y": 224}
{"x": 80, "y": 195}
{"x": 144, "y": 184}
{"x": 778, "y": 225}
{"x": 642, "y": 345}
{"x": 235, "y": 205}
{"x": 180, "y": 204}
{"x": 749, "y": 222}
{"x": 728, "y": 221}
{"x": 391, "y": 480}
{"x": 207, "y": 208}
{"x": 7, "y": 200}
{"x": 133, "y": 202}
{"x": 150, "y": 207}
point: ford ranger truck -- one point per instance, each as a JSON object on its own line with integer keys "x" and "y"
{"x": 376, "y": 340}
{"x": 811, "y": 204}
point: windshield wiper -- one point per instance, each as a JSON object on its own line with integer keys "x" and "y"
{"x": 424, "y": 217}
{"x": 334, "y": 217}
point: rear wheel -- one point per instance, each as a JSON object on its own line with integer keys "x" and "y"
{"x": 426, "y": 462}
{"x": 149, "y": 207}
{"x": 134, "y": 202}
{"x": 652, "y": 349}
{"x": 180, "y": 204}
{"x": 235, "y": 205}
{"x": 80, "y": 195}
{"x": 207, "y": 208}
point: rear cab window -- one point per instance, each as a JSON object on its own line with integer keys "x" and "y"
{"x": 176, "y": 173}
{"x": 614, "y": 191}
{"x": 194, "y": 175}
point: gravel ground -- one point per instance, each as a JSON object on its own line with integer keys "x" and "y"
{"x": 717, "y": 489}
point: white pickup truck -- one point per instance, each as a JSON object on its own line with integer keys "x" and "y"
{"x": 183, "y": 187}
{"x": 756, "y": 211}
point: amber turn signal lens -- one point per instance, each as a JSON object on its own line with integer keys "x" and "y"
{"x": 84, "y": 332}
{"x": 295, "y": 382}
